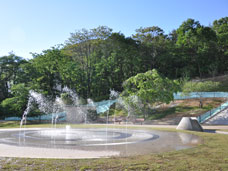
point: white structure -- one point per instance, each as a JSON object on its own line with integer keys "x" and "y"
{"x": 188, "y": 123}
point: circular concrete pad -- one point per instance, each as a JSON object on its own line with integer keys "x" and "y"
{"x": 90, "y": 143}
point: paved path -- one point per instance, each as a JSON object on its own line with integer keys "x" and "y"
{"x": 215, "y": 127}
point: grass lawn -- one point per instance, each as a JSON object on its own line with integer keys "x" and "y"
{"x": 211, "y": 155}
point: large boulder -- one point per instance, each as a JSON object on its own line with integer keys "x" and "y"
{"x": 188, "y": 123}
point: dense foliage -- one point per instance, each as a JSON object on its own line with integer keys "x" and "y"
{"x": 150, "y": 87}
{"x": 145, "y": 90}
{"x": 92, "y": 62}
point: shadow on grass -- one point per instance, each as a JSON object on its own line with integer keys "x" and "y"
{"x": 184, "y": 108}
{"x": 209, "y": 130}
{"x": 162, "y": 113}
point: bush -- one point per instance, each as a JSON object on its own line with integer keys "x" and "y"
{"x": 206, "y": 86}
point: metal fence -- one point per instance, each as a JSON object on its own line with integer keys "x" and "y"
{"x": 204, "y": 117}
{"x": 46, "y": 117}
{"x": 193, "y": 95}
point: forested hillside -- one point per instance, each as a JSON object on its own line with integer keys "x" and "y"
{"x": 91, "y": 62}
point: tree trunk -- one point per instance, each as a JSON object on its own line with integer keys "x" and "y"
{"x": 199, "y": 69}
{"x": 201, "y": 103}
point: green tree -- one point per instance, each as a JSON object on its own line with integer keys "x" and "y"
{"x": 72, "y": 74}
{"x": 152, "y": 41}
{"x": 11, "y": 73}
{"x": 150, "y": 88}
{"x": 221, "y": 28}
{"x": 169, "y": 61}
{"x": 84, "y": 47}
{"x": 197, "y": 46}
{"x": 119, "y": 61}
{"x": 15, "y": 106}
{"x": 45, "y": 67}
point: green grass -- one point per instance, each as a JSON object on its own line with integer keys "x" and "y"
{"x": 223, "y": 83}
{"x": 211, "y": 155}
{"x": 10, "y": 124}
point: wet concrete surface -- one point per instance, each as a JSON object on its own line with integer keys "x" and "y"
{"x": 90, "y": 143}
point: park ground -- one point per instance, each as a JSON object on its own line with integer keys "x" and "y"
{"x": 212, "y": 155}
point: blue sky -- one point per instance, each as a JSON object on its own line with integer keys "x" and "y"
{"x": 35, "y": 25}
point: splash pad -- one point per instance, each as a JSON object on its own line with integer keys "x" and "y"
{"x": 90, "y": 142}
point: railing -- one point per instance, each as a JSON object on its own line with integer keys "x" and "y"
{"x": 204, "y": 117}
{"x": 193, "y": 95}
{"x": 46, "y": 117}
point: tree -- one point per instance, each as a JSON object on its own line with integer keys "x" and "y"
{"x": 119, "y": 61}
{"x": 198, "y": 47}
{"x": 72, "y": 74}
{"x": 45, "y": 74}
{"x": 221, "y": 28}
{"x": 84, "y": 46}
{"x": 150, "y": 88}
{"x": 169, "y": 61}
{"x": 152, "y": 41}
{"x": 11, "y": 73}
{"x": 17, "y": 104}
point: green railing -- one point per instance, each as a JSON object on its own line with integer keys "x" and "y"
{"x": 204, "y": 117}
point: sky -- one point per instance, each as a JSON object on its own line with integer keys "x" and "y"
{"x": 35, "y": 25}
